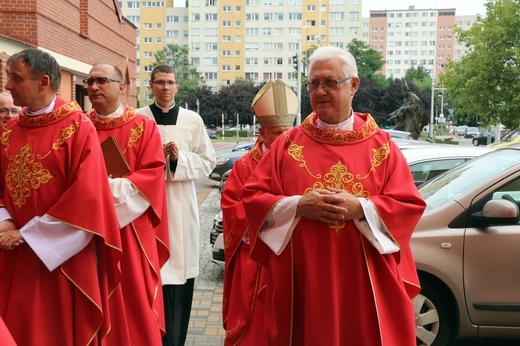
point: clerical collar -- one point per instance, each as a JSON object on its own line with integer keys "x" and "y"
{"x": 165, "y": 110}
{"x": 115, "y": 114}
{"x": 45, "y": 110}
{"x": 346, "y": 125}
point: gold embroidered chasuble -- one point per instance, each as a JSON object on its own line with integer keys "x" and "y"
{"x": 51, "y": 165}
{"x": 331, "y": 270}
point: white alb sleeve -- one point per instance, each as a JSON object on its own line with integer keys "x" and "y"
{"x": 129, "y": 202}
{"x": 54, "y": 242}
{"x": 374, "y": 230}
{"x": 276, "y": 234}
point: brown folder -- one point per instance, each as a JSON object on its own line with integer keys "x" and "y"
{"x": 115, "y": 162}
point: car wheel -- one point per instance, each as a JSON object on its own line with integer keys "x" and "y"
{"x": 433, "y": 321}
{"x": 475, "y": 142}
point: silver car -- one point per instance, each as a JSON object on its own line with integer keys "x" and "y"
{"x": 468, "y": 259}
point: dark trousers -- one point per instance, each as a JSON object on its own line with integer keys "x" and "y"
{"x": 177, "y": 310}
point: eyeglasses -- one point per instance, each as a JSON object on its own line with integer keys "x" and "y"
{"x": 164, "y": 82}
{"x": 99, "y": 81}
{"x": 6, "y": 111}
{"x": 327, "y": 85}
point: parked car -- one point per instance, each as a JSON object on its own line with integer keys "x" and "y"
{"x": 426, "y": 162}
{"x": 212, "y": 133}
{"x": 461, "y": 130}
{"x": 482, "y": 139}
{"x": 511, "y": 138}
{"x": 244, "y": 146}
{"x": 224, "y": 164}
{"x": 399, "y": 134}
{"x": 471, "y": 132}
{"x": 466, "y": 249}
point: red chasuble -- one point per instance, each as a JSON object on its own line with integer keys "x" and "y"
{"x": 242, "y": 313}
{"x": 330, "y": 286}
{"x": 5, "y": 336}
{"x": 52, "y": 164}
{"x": 145, "y": 240}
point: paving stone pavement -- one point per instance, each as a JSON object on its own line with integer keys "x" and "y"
{"x": 205, "y": 328}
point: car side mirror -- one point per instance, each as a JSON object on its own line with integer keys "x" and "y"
{"x": 497, "y": 212}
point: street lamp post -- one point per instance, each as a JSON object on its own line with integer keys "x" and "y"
{"x": 299, "y": 86}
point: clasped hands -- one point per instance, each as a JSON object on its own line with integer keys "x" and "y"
{"x": 329, "y": 205}
{"x": 171, "y": 149}
{"x": 10, "y": 237}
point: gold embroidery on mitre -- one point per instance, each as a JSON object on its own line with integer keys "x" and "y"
{"x": 23, "y": 175}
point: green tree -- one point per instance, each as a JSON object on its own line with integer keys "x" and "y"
{"x": 486, "y": 81}
{"x": 368, "y": 60}
{"x": 420, "y": 77}
{"x": 187, "y": 75}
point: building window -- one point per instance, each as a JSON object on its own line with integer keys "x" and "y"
{"x": 210, "y": 75}
{"x": 210, "y": 61}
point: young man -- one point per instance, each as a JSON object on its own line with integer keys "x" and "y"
{"x": 335, "y": 202}
{"x": 275, "y": 107}
{"x": 60, "y": 245}
{"x": 189, "y": 157}
{"x": 140, "y": 202}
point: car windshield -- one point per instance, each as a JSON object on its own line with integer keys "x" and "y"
{"x": 455, "y": 182}
{"x": 511, "y": 136}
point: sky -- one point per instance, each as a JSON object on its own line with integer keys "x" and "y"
{"x": 463, "y": 7}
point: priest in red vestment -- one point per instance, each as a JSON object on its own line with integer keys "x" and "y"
{"x": 140, "y": 201}
{"x": 335, "y": 203}
{"x": 275, "y": 107}
{"x": 59, "y": 239}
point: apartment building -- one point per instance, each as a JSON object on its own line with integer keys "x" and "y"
{"x": 248, "y": 39}
{"x": 77, "y": 33}
{"x": 416, "y": 37}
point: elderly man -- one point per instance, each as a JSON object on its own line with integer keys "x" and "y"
{"x": 275, "y": 106}
{"x": 7, "y": 108}
{"x": 140, "y": 201}
{"x": 335, "y": 203}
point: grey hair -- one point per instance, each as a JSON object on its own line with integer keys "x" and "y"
{"x": 349, "y": 65}
{"x": 40, "y": 63}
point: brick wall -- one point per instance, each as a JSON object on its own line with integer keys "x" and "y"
{"x": 85, "y": 30}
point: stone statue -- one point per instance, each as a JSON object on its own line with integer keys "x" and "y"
{"x": 409, "y": 116}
